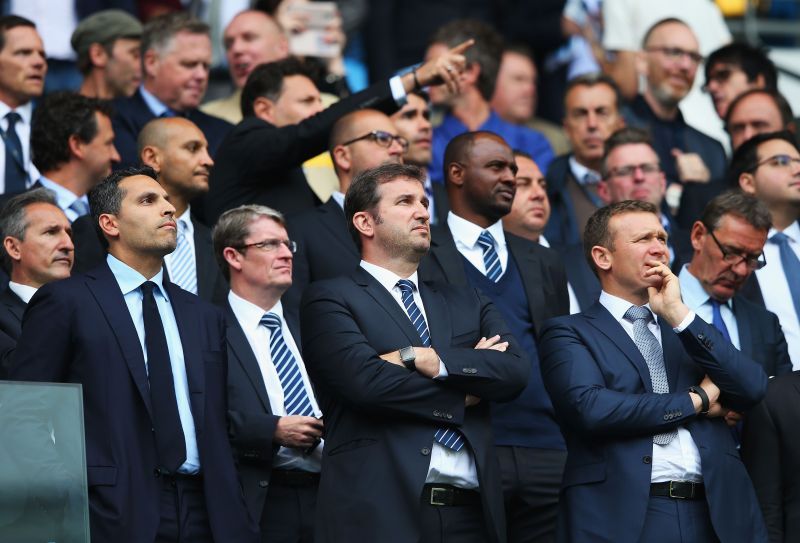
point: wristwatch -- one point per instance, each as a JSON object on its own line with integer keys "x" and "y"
{"x": 408, "y": 357}
{"x": 704, "y": 400}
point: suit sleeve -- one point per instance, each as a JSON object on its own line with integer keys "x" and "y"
{"x": 761, "y": 455}
{"x": 342, "y": 364}
{"x": 582, "y": 400}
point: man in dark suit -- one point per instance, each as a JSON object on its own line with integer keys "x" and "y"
{"x": 275, "y": 425}
{"x": 728, "y": 243}
{"x": 406, "y": 398}
{"x": 771, "y": 452}
{"x": 360, "y": 140}
{"x": 151, "y": 359}
{"x": 641, "y": 400}
{"x": 527, "y": 284}
{"x": 284, "y": 125}
{"x": 176, "y": 57}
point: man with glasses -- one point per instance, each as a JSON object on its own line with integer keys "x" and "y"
{"x": 693, "y": 163}
{"x": 360, "y": 141}
{"x": 275, "y": 422}
{"x": 631, "y": 170}
{"x": 768, "y": 167}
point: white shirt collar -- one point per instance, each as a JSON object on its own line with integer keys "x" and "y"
{"x": 250, "y": 314}
{"x": 467, "y": 233}
{"x": 25, "y": 111}
{"x": 186, "y": 219}
{"x": 543, "y": 241}
{"x": 580, "y": 171}
{"x": 618, "y": 306}
{"x": 385, "y": 277}
{"x": 25, "y": 292}
{"x": 692, "y": 291}
{"x": 338, "y": 197}
{"x": 792, "y": 231}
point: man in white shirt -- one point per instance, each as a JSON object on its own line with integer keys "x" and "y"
{"x": 768, "y": 167}
{"x": 22, "y": 71}
{"x": 404, "y": 371}
{"x": 636, "y": 381}
{"x": 276, "y": 424}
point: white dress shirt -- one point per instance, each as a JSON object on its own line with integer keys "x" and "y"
{"x": 574, "y": 306}
{"x": 447, "y": 466}
{"x": 698, "y": 300}
{"x": 466, "y": 234}
{"x": 25, "y": 292}
{"x": 775, "y": 289}
{"x": 679, "y": 460}
{"x": 23, "y": 130}
{"x": 249, "y": 316}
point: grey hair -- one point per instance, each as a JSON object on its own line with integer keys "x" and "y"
{"x": 14, "y": 218}
{"x": 160, "y": 31}
{"x": 233, "y": 227}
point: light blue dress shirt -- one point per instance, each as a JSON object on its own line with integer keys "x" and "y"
{"x": 156, "y": 106}
{"x": 64, "y": 197}
{"x": 698, "y": 300}
{"x": 129, "y": 281}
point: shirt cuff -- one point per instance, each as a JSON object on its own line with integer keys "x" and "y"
{"x": 398, "y": 91}
{"x": 687, "y": 320}
{"x": 442, "y": 370}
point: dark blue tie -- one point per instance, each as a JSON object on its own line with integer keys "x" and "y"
{"x": 16, "y": 176}
{"x": 295, "y": 397}
{"x": 791, "y": 267}
{"x": 170, "y": 441}
{"x": 445, "y": 436}
{"x": 491, "y": 260}
{"x": 716, "y": 319}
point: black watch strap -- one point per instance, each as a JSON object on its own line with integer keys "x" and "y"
{"x": 409, "y": 358}
{"x": 703, "y": 399}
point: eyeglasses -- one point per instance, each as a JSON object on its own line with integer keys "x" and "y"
{"x": 777, "y": 161}
{"x": 648, "y": 168}
{"x": 753, "y": 262}
{"x": 676, "y": 53}
{"x": 718, "y": 76}
{"x": 384, "y": 139}
{"x": 269, "y": 245}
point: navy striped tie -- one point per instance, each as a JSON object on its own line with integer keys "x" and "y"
{"x": 295, "y": 397}
{"x": 450, "y": 438}
{"x": 491, "y": 260}
{"x": 182, "y": 268}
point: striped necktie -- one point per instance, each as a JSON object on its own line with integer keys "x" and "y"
{"x": 491, "y": 260}
{"x": 16, "y": 176}
{"x": 295, "y": 397}
{"x": 449, "y": 437}
{"x": 182, "y": 268}
{"x": 791, "y": 267}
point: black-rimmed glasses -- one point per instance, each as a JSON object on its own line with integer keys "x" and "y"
{"x": 384, "y": 139}
{"x": 753, "y": 262}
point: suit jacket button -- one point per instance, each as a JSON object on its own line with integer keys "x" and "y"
{"x": 263, "y": 484}
{"x": 666, "y": 417}
{"x": 437, "y": 414}
{"x": 701, "y": 336}
{"x": 647, "y": 459}
{"x": 449, "y": 416}
{"x": 425, "y": 451}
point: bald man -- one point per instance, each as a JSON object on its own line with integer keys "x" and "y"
{"x": 359, "y": 141}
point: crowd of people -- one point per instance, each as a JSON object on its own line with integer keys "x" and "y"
{"x": 416, "y": 312}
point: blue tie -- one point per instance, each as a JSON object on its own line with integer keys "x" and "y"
{"x": 791, "y": 267}
{"x": 491, "y": 260}
{"x": 80, "y": 207}
{"x": 448, "y": 437}
{"x": 16, "y": 176}
{"x": 716, "y": 319}
{"x": 182, "y": 270}
{"x": 295, "y": 397}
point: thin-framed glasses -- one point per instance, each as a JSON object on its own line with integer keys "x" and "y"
{"x": 647, "y": 168}
{"x": 676, "y": 53}
{"x": 777, "y": 161}
{"x": 270, "y": 245}
{"x": 384, "y": 139}
{"x": 753, "y": 262}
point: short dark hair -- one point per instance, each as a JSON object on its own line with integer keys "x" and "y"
{"x": 107, "y": 196}
{"x": 746, "y": 156}
{"x": 597, "y": 231}
{"x": 233, "y": 227}
{"x": 592, "y": 80}
{"x": 158, "y": 32}
{"x": 659, "y": 24}
{"x": 787, "y": 117}
{"x": 487, "y": 52}
{"x": 735, "y": 202}
{"x": 363, "y": 194}
{"x": 59, "y": 116}
{"x": 14, "y": 219}
{"x": 460, "y": 146}
{"x": 753, "y": 61}
{"x": 266, "y": 80}
{"x": 628, "y": 135}
{"x": 7, "y": 22}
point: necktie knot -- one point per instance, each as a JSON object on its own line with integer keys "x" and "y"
{"x": 637, "y": 313}
{"x": 486, "y": 240}
{"x": 80, "y": 207}
{"x": 13, "y": 118}
{"x": 780, "y": 239}
{"x": 406, "y": 286}
{"x": 272, "y": 321}
{"x": 147, "y": 288}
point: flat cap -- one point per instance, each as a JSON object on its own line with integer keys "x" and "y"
{"x": 104, "y": 26}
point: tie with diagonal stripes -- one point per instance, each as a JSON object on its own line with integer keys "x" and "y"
{"x": 491, "y": 260}
{"x": 182, "y": 270}
{"x": 450, "y": 438}
{"x": 295, "y": 397}
{"x": 653, "y": 355}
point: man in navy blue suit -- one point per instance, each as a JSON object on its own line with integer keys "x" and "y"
{"x": 152, "y": 361}
{"x": 640, "y": 385}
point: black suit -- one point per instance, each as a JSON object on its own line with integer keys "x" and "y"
{"x": 761, "y": 337}
{"x": 771, "y": 452}
{"x": 380, "y": 418}
{"x": 11, "y": 311}
{"x": 259, "y": 163}
{"x": 581, "y": 278}
{"x": 132, "y": 113}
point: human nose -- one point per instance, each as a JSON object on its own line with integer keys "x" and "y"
{"x": 115, "y": 154}
{"x": 66, "y": 243}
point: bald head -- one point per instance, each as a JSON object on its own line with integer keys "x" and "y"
{"x": 252, "y": 38}
{"x": 669, "y": 62}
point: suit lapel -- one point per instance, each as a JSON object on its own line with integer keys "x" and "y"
{"x": 745, "y": 328}
{"x": 204, "y": 259}
{"x": 334, "y": 220}
{"x": 445, "y": 254}
{"x": 438, "y": 318}
{"x": 601, "y": 319}
{"x": 389, "y": 304}
{"x": 238, "y": 343}
{"x": 14, "y": 304}
{"x": 104, "y": 288}
{"x": 530, "y": 267}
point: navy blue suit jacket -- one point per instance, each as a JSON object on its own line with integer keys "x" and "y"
{"x": 79, "y": 330}
{"x": 602, "y": 393}
{"x": 380, "y": 418}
